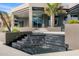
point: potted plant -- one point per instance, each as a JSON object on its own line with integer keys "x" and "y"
{"x": 73, "y": 21}
{"x": 72, "y": 34}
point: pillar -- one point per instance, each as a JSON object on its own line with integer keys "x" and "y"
{"x": 12, "y": 21}
{"x": 52, "y": 21}
{"x": 30, "y": 17}
{"x": 69, "y": 17}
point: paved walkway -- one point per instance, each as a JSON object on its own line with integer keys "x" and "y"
{"x": 8, "y": 51}
{"x": 65, "y": 53}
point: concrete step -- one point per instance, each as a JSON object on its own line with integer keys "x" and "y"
{"x": 17, "y": 46}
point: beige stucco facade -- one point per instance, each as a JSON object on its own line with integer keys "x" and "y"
{"x": 72, "y": 36}
{"x": 25, "y": 10}
{"x": 29, "y": 11}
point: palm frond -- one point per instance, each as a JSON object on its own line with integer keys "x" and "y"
{"x": 5, "y": 19}
{"x": 52, "y": 8}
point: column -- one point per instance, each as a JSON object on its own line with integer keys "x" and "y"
{"x": 30, "y": 17}
{"x": 69, "y": 17}
{"x": 12, "y": 21}
{"x": 52, "y": 21}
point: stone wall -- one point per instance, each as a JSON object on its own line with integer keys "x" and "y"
{"x": 11, "y": 36}
{"x": 37, "y": 43}
{"x": 7, "y": 37}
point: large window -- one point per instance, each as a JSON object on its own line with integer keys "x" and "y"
{"x": 19, "y": 23}
{"x": 40, "y": 19}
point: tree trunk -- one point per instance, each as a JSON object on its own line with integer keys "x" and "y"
{"x": 52, "y": 21}
{"x": 4, "y": 20}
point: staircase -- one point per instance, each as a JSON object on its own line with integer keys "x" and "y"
{"x": 37, "y": 43}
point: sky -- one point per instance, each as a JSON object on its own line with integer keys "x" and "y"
{"x": 8, "y": 6}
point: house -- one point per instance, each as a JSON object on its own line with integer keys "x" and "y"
{"x": 32, "y": 15}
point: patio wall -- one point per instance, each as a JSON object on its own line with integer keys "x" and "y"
{"x": 7, "y": 37}
{"x": 23, "y": 29}
{"x": 2, "y": 37}
{"x": 72, "y": 35}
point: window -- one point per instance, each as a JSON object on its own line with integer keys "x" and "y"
{"x": 19, "y": 23}
{"x": 74, "y": 15}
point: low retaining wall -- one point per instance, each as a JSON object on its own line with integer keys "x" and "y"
{"x": 7, "y": 37}
{"x": 2, "y": 37}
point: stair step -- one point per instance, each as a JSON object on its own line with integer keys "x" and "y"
{"x": 40, "y": 43}
{"x": 24, "y": 40}
{"x": 20, "y": 42}
{"x": 54, "y": 43}
{"x": 25, "y": 37}
{"x": 15, "y": 45}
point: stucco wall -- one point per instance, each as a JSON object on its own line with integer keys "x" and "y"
{"x": 7, "y": 37}
{"x": 2, "y": 37}
{"x": 72, "y": 35}
{"x": 23, "y": 29}
{"x": 38, "y": 4}
{"x": 11, "y": 36}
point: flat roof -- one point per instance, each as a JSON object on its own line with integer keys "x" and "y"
{"x": 74, "y": 9}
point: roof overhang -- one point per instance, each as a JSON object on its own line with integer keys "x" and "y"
{"x": 24, "y": 13}
{"x": 21, "y": 11}
{"x": 74, "y": 9}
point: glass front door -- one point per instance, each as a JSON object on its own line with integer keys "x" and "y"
{"x": 39, "y": 18}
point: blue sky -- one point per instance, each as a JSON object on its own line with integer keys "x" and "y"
{"x": 8, "y": 6}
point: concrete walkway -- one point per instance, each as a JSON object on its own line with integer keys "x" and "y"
{"x": 8, "y": 51}
{"x": 65, "y": 53}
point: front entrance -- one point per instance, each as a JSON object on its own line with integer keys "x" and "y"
{"x": 37, "y": 19}
{"x": 40, "y": 19}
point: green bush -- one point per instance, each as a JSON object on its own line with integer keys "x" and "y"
{"x": 73, "y": 21}
{"x": 15, "y": 29}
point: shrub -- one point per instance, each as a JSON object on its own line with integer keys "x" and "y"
{"x": 73, "y": 21}
{"x": 15, "y": 29}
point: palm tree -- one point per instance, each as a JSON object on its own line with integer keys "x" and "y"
{"x": 52, "y": 10}
{"x": 6, "y": 20}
